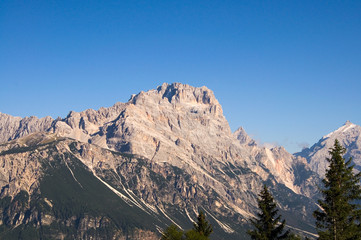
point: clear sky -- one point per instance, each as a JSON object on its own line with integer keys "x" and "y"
{"x": 289, "y": 72}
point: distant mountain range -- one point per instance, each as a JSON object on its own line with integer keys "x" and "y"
{"x": 128, "y": 171}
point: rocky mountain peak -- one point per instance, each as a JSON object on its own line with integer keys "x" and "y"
{"x": 179, "y": 94}
{"x": 345, "y": 129}
{"x": 174, "y": 126}
{"x": 243, "y": 137}
{"x": 16, "y": 127}
{"x": 348, "y": 122}
{"x": 349, "y": 136}
{"x": 168, "y": 122}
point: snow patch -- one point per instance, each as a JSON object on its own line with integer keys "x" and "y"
{"x": 122, "y": 196}
{"x": 130, "y": 202}
{"x": 309, "y": 233}
{"x": 159, "y": 229}
{"x": 66, "y": 164}
{"x": 195, "y": 211}
{"x": 224, "y": 226}
{"x": 169, "y": 218}
{"x": 241, "y": 211}
{"x": 48, "y": 202}
{"x": 344, "y": 128}
{"x": 349, "y": 127}
{"x": 131, "y": 199}
{"x": 151, "y": 207}
{"x": 187, "y": 213}
{"x": 133, "y": 196}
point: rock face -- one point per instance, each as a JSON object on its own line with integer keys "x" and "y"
{"x": 45, "y": 184}
{"x": 243, "y": 137}
{"x": 175, "y": 123}
{"x": 189, "y": 155}
{"x": 16, "y": 127}
{"x": 292, "y": 171}
{"x": 178, "y": 124}
{"x": 23, "y": 171}
{"x": 349, "y": 136}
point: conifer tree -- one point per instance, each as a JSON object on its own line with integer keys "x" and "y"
{"x": 172, "y": 233}
{"x": 268, "y": 225}
{"x": 194, "y": 235}
{"x": 339, "y": 216}
{"x": 201, "y": 230}
{"x": 202, "y": 226}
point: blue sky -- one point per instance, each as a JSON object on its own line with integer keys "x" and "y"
{"x": 289, "y": 72}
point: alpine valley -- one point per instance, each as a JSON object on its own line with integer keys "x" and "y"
{"x": 130, "y": 170}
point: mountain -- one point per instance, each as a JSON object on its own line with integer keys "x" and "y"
{"x": 349, "y": 136}
{"x": 48, "y": 193}
{"x": 243, "y": 137}
{"x": 292, "y": 171}
{"x": 16, "y": 127}
{"x": 155, "y": 160}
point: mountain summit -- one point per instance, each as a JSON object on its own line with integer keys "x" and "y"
{"x": 349, "y": 136}
{"x": 166, "y": 153}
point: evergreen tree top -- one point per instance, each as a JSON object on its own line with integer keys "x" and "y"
{"x": 202, "y": 226}
{"x": 339, "y": 215}
{"x": 268, "y": 224}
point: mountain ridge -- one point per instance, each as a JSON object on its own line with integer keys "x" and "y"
{"x": 180, "y": 132}
{"x": 349, "y": 136}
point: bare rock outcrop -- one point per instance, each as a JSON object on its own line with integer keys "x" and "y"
{"x": 349, "y": 136}
{"x": 187, "y": 157}
{"x": 16, "y": 127}
{"x": 179, "y": 125}
{"x": 243, "y": 137}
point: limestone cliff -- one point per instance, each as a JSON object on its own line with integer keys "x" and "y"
{"x": 175, "y": 127}
{"x": 16, "y": 127}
